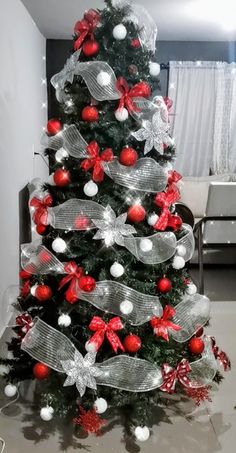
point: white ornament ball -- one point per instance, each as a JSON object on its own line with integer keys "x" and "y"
{"x": 126, "y": 307}
{"x": 46, "y": 413}
{"x": 103, "y": 78}
{"x": 178, "y": 262}
{"x": 10, "y": 390}
{"x": 119, "y": 32}
{"x": 122, "y": 114}
{"x": 142, "y": 433}
{"x": 181, "y": 250}
{"x": 152, "y": 219}
{"x": 154, "y": 69}
{"x": 61, "y": 154}
{"x": 116, "y": 270}
{"x": 90, "y": 347}
{"x": 90, "y": 189}
{"x": 191, "y": 289}
{"x": 146, "y": 245}
{"x": 64, "y": 320}
{"x": 4, "y": 369}
{"x": 59, "y": 245}
{"x": 100, "y": 405}
{"x": 33, "y": 289}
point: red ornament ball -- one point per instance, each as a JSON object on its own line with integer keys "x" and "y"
{"x": 128, "y": 157}
{"x": 90, "y": 48}
{"x": 90, "y": 114}
{"x": 135, "y": 43}
{"x": 196, "y": 346}
{"x": 87, "y": 283}
{"x": 81, "y": 222}
{"x": 199, "y": 332}
{"x": 164, "y": 285}
{"x": 61, "y": 177}
{"x": 54, "y": 126}
{"x": 43, "y": 293}
{"x": 41, "y": 371}
{"x": 136, "y": 213}
{"x": 41, "y": 229}
{"x": 70, "y": 296}
{"x": 44, "y": 257}
{"x": 132, "y": 343}
{"x": 144, "y": 90}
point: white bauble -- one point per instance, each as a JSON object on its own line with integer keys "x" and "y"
{"x": 146, "y": 245}
{"x": 10, "y": 390}
{"x": 4, "y": 369}
{"x": 64, "y": 320}
{"x": 116, "y": 270}
{"x": 191, "y": 289}
{"x": 90, "y": 189}
{"x": 90, "y": 347}
{"x": 154, "y": 69}
{"x": 142, "y": 433}
{"x": 33, "y": 289}
{"x": 178, "y": 262}
{"x": 46, "y": 413}
{"x": 59, "y": 245}
{"x": 122, "y": 114}
{"x": 181, "y": 250}
{"x": 126, "y": 307}
{"x": 152, "y": 219}
{"x": 103, "y": 78}
{"x": 119, "y": 32}
{"x": 61, "y": 154}
{"x": 100, "y": 405}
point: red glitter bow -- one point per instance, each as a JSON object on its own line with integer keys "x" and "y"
{"x": 86, "y": 27}
{"x": 74, "y": 274}
{"x": 40, "y": 216}
{"x": 221, "y": 356}
{"x": 164, "y": 200}
{"x": 95, "y": 161}
{"x": 173, "y": 176}
{"x": 141, "y": 89}
{"x": 25, "y": 322}
{"x": 161, "y": 325}
{"x": 101, "y": 329}
{"x": 172, "y": 375}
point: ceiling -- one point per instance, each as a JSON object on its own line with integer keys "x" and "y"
{"x": 178, "y": 20}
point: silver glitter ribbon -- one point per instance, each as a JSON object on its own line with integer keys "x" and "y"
{"x": 64, "y": 216}
{"x": 70, "y": 139}
{"x": 47, "y": 345}
{"x": 59, "y": 80}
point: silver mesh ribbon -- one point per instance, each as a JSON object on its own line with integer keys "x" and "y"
{"x": 37, "y": 259}
{"x": 163, "y": 247}
{"x": 147, "y": 175}
{"x": 188, "y": 241}
{"x": 64, "y": 216}
{"x": 59, "y": 80}
{"x": 47, "y": 345}
{"x": 90, "y": 71}
{"x": 70, "y": 139}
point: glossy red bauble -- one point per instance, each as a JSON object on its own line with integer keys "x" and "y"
{"x": 135, "y": 43}
{"x": 90, "y": 114}
{"x": 81, "y": 222}
{"x": 164, "y": 285}
{"x": 199, "y": 332}
{"x": 128, "y": 157}
{"x": 54, "y": 126}
{"x": 43, "y": 293}
{"x": 144, "y": 90}
{"x": 196, "y": 346}
{"x": 90, "y": 48}
{"x": 70, "y": 296}
{"x": 41, "y": 229}
{"x": 61, "y": 177}
{"x": 136, "y": 213}
{"x": 44, "y": 257}
{"x": 41, "y": 371}
{"x": 132, "y": 343}
{"x": 87, "y": 283}
{"x": 24, "y": 275}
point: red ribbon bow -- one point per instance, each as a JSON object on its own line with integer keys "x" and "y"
{"x": 25, "y": 322}
{"x": 25, "y": 289}
{"x": 95, "y": 161}
{"x": 173, "y": 176}
{"x": 86, "y": 27}
{"x": 221, "y": 356}
{"x": 101, "y": 329}
{"x": 140, "y": 89}
{"x": 172, "y": 375}
{"x": 40, "y": 216}
{"x": 161, "y": 325}
{"x": 74, "y": 274}
{"x": 164, "y": 200}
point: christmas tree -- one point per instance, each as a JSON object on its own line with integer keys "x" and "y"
{"x": 110, "y": 320}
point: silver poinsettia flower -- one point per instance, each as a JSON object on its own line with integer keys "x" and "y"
{"x": 155, "y": 133}
{"x": 113, "y": 229}
{"x": 81, "y": 371}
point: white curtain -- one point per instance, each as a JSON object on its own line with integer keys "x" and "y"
{"x": 204, "y": 116}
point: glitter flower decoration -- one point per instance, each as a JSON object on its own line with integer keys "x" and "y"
{"x": 155, "y": 133}
{"x": 81, "y": 371}
{"x": 113, "y": 229}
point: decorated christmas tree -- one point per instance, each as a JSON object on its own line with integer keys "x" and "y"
{"x": 110, "y": 320}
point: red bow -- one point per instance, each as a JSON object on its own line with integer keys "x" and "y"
{"x": 127, "y": 95}
{"x": 95, "y": 161}
{"x": 25, "y": 322}
{"x": 25, "y": 289}
{"x": 164, "y": 200}
{"x": 86, "y": 27}
{"x": 40, "y": 215}
{"x": 173, "y": 176}
{"x": 74, "y": 274}
{"x": 161, "y": 325}
{"x": 221, "y": 356}
{"x": 168, "y": 102}
{"x": 101, "y": 329}
{"x": 172, "y": 375}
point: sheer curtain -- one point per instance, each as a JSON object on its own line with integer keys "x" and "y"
{"x": 204, "y": 116}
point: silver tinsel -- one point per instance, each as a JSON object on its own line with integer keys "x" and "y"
{"x": 155, "y": 133}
